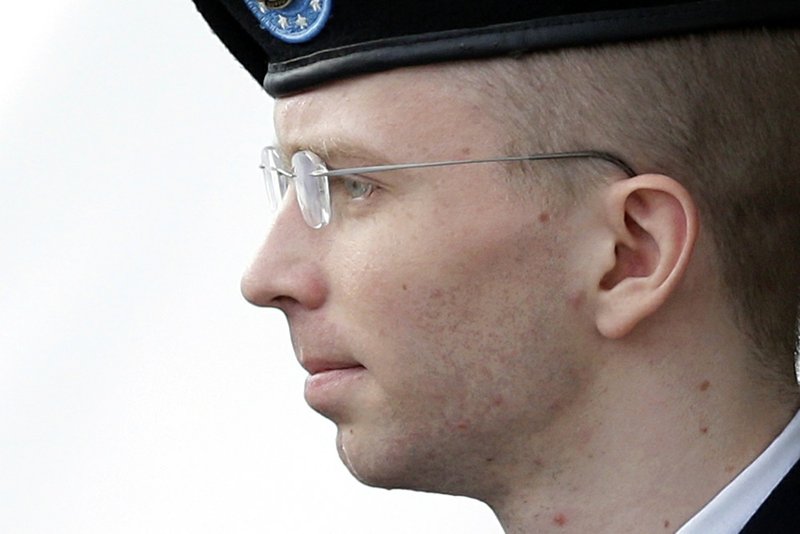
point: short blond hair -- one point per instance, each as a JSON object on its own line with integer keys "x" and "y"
{"x": 718, "y": 112}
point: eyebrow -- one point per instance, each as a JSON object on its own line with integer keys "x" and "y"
{"x": 333, "y": 148}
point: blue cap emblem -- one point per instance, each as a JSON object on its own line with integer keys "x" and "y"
{"x": 293, "y": 21}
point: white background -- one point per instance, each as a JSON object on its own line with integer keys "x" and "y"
{"x": 138, "y": 391}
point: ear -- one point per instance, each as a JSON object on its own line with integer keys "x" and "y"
{"x": 653, "y": 227}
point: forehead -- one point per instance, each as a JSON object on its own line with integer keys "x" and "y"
{"x": 411, "y": 112}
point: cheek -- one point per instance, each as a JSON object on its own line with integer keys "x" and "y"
{"x": 457, "y": 322}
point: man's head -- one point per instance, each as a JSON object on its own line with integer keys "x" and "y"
{"x": 467, "y": 302}
{"x": 518, "y": 332}
{"x": 441, "y": 283}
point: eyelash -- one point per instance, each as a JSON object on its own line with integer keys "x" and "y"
{"x": 346, "y": 183}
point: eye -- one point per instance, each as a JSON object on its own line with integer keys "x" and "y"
{"x": 357, "y": 189}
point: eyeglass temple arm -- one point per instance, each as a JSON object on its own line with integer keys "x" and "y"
{"x": 404, "y": 166}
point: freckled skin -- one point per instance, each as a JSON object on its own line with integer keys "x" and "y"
{"x": 446, "y": 294}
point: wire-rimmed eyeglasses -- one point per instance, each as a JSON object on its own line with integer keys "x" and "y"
{"x": 310, "y": 175}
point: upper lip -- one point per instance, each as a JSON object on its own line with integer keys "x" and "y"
{"x": 320, "y": 365}
{"x": 315, "y": 348}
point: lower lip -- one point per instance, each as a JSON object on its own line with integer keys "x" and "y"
{"x": 321, "y": 386}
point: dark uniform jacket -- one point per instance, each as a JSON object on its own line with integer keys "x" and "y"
{"x": 780, "y": 513}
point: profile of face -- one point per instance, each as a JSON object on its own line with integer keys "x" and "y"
{"x": 436, "y": 312}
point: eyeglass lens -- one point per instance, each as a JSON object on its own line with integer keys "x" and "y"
{"x": 313, "y": 194}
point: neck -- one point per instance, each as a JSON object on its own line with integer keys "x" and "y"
{"x": 658, "y": 437}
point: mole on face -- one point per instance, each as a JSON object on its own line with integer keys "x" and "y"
{"x": 576, "y": 301}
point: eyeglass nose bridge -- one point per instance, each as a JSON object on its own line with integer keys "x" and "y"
{"x": 276, "y": 179}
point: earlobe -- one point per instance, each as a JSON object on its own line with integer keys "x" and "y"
{"x": 654, "y": 223}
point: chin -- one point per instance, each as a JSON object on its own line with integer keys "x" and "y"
{"x": 392, "y": 464}
{"x": 367, "y": 464}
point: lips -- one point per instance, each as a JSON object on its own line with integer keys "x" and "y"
{"x": 334, "y": 376}
{"x": 316, "y": 366}
{"x": 331, "y": 386}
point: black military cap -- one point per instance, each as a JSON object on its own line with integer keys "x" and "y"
{"x": 293, "y": 45}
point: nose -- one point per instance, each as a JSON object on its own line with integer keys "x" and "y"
{"x": 286, "y": 271}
